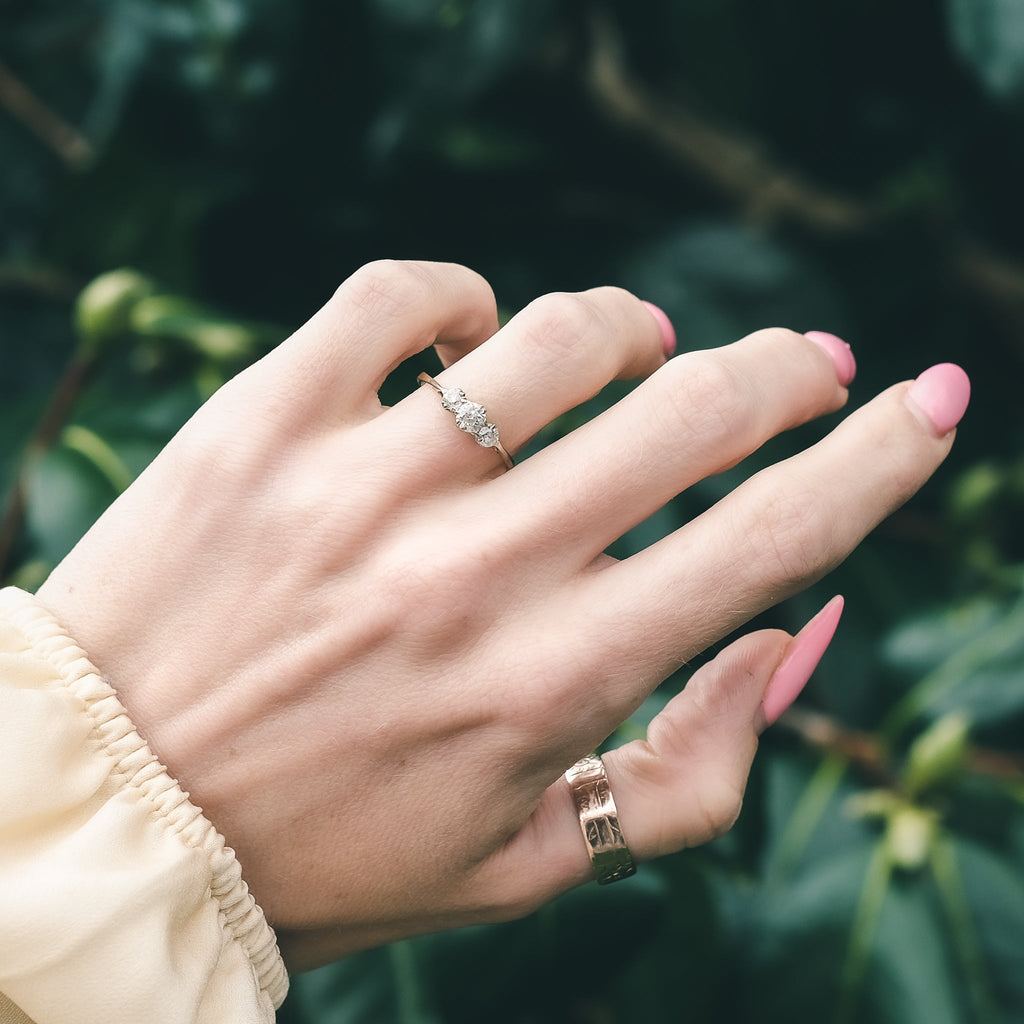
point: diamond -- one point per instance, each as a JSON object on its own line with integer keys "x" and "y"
{"x": 487, "y": 435}
{"x": 453, "y": 398}
{"x": 471, "y": 417}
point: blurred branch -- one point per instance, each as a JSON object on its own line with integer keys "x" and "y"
{"x": 40, "y": 282}
{"x": 45, "y": 435}
{"x": 868, "y": 753}
{"x": 24, "y": 105}
{"x": 826, "y": 734}
{"x": 992, "y": 274}
{"x": 767, "y": 191}
{"x": 993, "y": 277}
{"x": 734, "y": 165}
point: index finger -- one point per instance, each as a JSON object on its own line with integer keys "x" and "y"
{"x": 779, "y": 531}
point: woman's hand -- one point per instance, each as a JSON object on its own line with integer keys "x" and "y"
{"x": 369, "y": 652}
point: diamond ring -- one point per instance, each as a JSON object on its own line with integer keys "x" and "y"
{"x": 469, "y": 416}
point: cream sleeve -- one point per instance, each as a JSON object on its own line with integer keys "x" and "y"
{"x": 119, "y": 901}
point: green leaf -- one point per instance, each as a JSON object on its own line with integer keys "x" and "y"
{"x": 66, "y": 495}
{"x": 719, "y": 281}
{"x": 797, "y": 938}
{"x": 177, "y": 319}
{"x": 363, "y": 989}
{"x": 912, "y": 976}
{"x": 863, "y": 929}
{"x": 477, "y": 973}
{"x": 992, "y": 695}
{"x": 989, "y": 36}
{"x": 993, "y": 894}
{"x": 807, "y": 813}
{"x": 850, "y": 940}
{"x": 928, "y": 639}
{"x": 937, "y": 756}
{"x": 999, "y": 641}
{"x": 687, "y": 952}
{"x": 92, "y": 447}
{"x": 962, "y": 930}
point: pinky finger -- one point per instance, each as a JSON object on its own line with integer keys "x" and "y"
{"x": 684, "y": 785}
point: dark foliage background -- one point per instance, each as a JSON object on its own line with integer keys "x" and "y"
{"x": 855, "y": 168}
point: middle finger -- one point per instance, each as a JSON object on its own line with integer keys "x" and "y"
{"x": 699, "y": 414}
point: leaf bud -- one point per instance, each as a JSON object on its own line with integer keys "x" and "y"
{"x": 104, "y": 308}
{"x": 937, "y": 755}
{"x": 910, "y": 835}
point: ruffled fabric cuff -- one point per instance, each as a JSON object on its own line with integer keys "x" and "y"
{"x": 109, "y": 876}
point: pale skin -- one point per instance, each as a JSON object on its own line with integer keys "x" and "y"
{"x": 369, "y": 653}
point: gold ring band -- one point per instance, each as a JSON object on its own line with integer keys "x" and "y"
{"x": 599, "y": 820}
{"x": 469, "y": 416}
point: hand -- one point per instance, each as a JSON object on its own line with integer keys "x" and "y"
{"x": 369, "y": 652}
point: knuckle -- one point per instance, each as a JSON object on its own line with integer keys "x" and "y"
{"x": 385, "y": 289}
{"x": 559, "y": 323}
{"x": 595, "y": 327}
{"x": 435, "y": 598}
{"x": 708, "y": 395}
{"x": 898, "y": 471}
{"x": 504, "y": 892}
{"x": 612, "y": 301}
{"x": 719, "y": 809}
{"x": 778, "y": 337}
{"x": 813, "y": 371}
{"x": 792, "y": 538}
{"x": 512, "y": 902}
{"x": 523, "y": 903}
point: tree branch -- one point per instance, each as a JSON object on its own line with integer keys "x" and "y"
{"x": 864, "y": 750}
{"x": 24, "y": 105}
{"x": 39, "y": 282}
{"x": 45, "y": 435}
{"x": 765, "y": 190}
{"x": 735, "y": 166}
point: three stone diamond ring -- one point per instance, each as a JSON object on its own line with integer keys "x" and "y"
{"x": 469, "y": 416}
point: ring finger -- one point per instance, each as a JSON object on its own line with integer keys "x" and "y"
{"x": 699, "y": 414}
{"x": 555, "y": 354}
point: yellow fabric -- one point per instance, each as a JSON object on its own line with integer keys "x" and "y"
{"x": 119, "y": 901}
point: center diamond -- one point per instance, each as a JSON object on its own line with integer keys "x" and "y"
{"x": 471, "y": 417}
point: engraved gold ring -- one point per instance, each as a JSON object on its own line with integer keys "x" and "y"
{"x": 609, "y": 855}
{"x": 469, "y": 416}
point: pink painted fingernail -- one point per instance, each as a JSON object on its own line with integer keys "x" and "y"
{"x": 840, "y": 353}
{"x": 668, "y": 332}
{"x": 940, "y": 396}
{"x": 801, "y": 659}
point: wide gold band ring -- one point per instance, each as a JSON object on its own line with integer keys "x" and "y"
{"x": 469, "y": 416}
{"x": 609, "y": 855}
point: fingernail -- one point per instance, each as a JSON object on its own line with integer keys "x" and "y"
{"x": 840, "y": 353}
{"x": 941, "y": 395}
{"x": 668, "y": 332}
{"x": 801, "y": 659}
